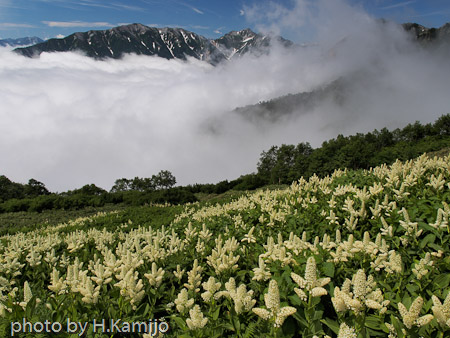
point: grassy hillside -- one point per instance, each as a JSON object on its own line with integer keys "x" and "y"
{"x": 354, "y": 254}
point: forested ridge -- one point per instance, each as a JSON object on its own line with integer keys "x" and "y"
{"x": 278, "y": 165}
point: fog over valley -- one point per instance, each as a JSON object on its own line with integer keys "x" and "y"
{"x": 68, "y": 120}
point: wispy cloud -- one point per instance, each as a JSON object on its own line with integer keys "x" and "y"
{"x": 128, "y": 7}
{"x": 66, "y": 24}
{"x": 196, "y": 10}
{"x": 198, "y": 27}
{"x": 185, "y": 4}
{"x": 219, "y": 30}
{"x": 75, "y": 5}
{"x": 400, "y": 4}
{"x": 15, "y": 25}
{"x": 431, "y": 14}
{"x": 7, "y": 4}
{"x": 93, "y": 3}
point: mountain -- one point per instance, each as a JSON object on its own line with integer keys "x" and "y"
{"x": 238, "y": 43}
{"x": 430, "y": 37}
{"x": 168, "y": 43}
{"x": 290, "y": 104}
{"x": 20, "y": 42}
{"x": 338, "y": 91}
{"x": 177, "y": 43}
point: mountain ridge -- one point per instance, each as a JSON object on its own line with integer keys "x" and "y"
{"x": 169, "y": 43}
{"x": 178, "y": 43}
{"x": 434, "y": 37}
{"x": 20, "y": 41}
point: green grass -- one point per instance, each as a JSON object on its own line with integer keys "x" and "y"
{"x": 440, "y": 153}
{"x": 13, "y": 222}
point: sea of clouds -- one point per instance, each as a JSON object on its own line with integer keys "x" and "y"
{"x": 69, "y": 120}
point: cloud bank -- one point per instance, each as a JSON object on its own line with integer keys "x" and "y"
{"x": 68, "y": 120}
{"x": 67, "y": 24}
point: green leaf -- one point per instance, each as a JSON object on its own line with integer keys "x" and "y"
{"x": 294, "y": 300}
{"x": 318, "y": 315}
{"x": 236, "y": 323}
{"x": 180, "y": 322}
{"x": 229, "y": 327}
{"x": 216, "y": 314}
{"x": 372, "y": 323}
{"x": 443, "y": 280}
{"x": 143, "y": 309}
{"x": 332, "y": 324}
{"x": 435, "y": 246}
{"x": 384, "y": 328}
{"x": 328, "y": 269}
{"x": 428, "y": 239}
{"x": 29, "y": 310}
{"x": 397, "y": 325}
{"x": 412, "y": 288}
{"x": 289, "y": 327}
{"x": 300, "y": 319}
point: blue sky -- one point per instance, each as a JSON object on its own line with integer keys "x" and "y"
{"x": 211, "y": 18}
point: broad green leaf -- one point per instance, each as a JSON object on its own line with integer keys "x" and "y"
{"x": 372, "y": 323}
{"x": 412, "y": 288}
{"x": 328, "y": 269}
{"x": 428, "y": 239}
{"x": 180, "y": 322}
{"x": 216, "y": 314}
{"x": 442, "y": 280}
{"x": 332, "y": 324}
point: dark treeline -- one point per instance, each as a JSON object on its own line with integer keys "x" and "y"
{"x": 163, "y": 180}
{"x": 9, "y": 189}
{"x": 287, "y": 163}
{"x": 278, "y": 165}
{"x": 15, "y": 197}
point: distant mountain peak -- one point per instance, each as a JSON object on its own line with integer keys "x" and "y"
{"x": 245, "y": 31}
{"x": 26, "y": 41}
{"x": 165, "y": 42}
{"x": 436, "y": 37}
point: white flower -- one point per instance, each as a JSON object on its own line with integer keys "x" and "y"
{"x": 411, "y": 317}
{"x": 156, "y": 276}
{"x": 196, "y": 320}
{"x": 272, "y": 301}
{"x": 346, "y": 331}
{"x": 183, "y": 302}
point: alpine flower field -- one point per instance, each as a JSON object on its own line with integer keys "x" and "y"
{"x": 354, "y": 254}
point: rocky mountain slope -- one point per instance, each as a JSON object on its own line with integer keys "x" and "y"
{"x": 169, "y": 43}
{"x": 430, "y": 37}
{"x": 27, "y": 41}
{"x": 177, "y": 43}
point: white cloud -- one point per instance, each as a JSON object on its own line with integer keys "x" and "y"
{"x": 60, "y": 36}
{"x": 271, "y": 16}
{"x": 197, "y": 27}
{"x": 68, "y": 120}
{"x": 400, "y": 4}
{"x": 66, "y": 24}
{"x": 196, "y": 10}
{"x": 15, "y": 25}
{"x": 219, "y": 30}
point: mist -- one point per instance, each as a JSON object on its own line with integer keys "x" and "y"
{"x": 68, "y": 120}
